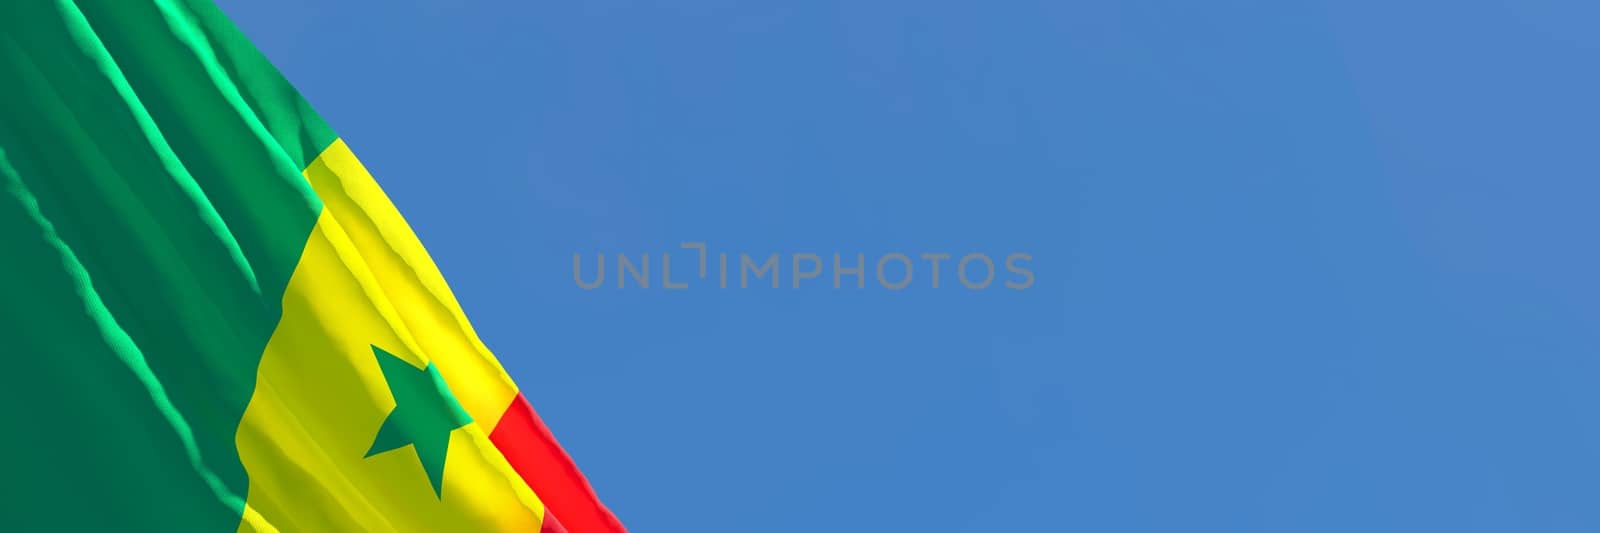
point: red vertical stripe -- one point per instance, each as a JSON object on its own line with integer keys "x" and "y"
{"x": 550, "y": 524}
{"x": 530, "y": 448}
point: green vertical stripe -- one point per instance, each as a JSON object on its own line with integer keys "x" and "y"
{"x": 151, "y": 213}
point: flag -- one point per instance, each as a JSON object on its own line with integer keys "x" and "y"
{"x": 211, "y": 316}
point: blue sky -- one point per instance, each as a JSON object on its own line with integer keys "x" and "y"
{"x": 1300, "y": 266}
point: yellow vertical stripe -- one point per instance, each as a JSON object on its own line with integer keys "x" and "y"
{"x": 408, "y": 274}
{"x": 320, "y": 396}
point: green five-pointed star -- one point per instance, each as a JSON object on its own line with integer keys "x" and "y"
{"x": 424, "y": 415}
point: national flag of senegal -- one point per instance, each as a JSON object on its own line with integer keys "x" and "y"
{"x": 211, "y": 317}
